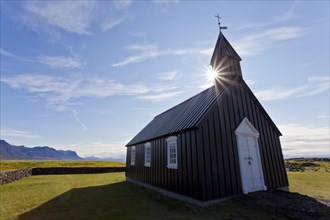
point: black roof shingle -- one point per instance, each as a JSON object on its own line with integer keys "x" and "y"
{"x": 183, "y": 116}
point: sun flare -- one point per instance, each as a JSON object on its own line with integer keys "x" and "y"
{"x": 211, "y": 74}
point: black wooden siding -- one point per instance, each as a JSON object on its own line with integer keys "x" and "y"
{"x": 183, "y": 180}
{"x": 208, "y": 164}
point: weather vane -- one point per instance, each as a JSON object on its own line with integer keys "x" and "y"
{"x": 220, "y": 27}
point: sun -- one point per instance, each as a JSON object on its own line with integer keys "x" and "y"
{"x": 211, "y": 74}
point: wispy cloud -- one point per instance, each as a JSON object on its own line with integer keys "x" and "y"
{"x": 9, "y": 54}
{"x": 323, "y": 116}
{"x": 114, "y": 149}
{"x": 6, "y": 53}
{"x": 111, "y": 23}
{"x": 172, "y": 75}
{"x": 60, "y": 62}
{"x": 313, "y": 86}
{"x": 149, "y": 51}
{"x": 17, "y": 134}
{"x": 66, "y": 107}
{"x": 301, "y": 140}
{"x": 160, "y": 96}
{"x": 251, "y": 26}
{"x": 138, "y": 34}
{"x": 165, "y": 1}
{"x": 257, "y": 43}
{"x": 75, "y": 115}
{"x": 288, "y": 14}
{"x": 145, "y": 51}
{"x": 122, "y": 4}
{"x": 70, "y": 16}
{"x": 58, "y": 91}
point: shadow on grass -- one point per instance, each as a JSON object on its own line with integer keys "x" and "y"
{"x": 114, "y": 201}
{"x": 128, "y": 201}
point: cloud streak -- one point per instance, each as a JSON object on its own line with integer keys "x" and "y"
{"x": 58, "y": 91}
{"x": 119, "y": 5}
{"x": 73, "y": 17}
{"x": 248, "y": 46}
{"x": 150, "y": 51}
{"x": 313, "y": 86}
{"x": 300, "y": 140}
{"x": 59, "y": 62}
{"x": 17, "y": 134}
{"x": 160, "y": 96}
{"x": 288, "y": 14}
{"x": 9, "y": 54}
{"x": 104, "y": 150}
{"x": 75, "y": 115}
{"x": 111, "y": 23}
{"x": 169, "y": 76}
{"x": 257, "y": 43}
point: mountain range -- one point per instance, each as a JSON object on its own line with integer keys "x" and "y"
{"x": 12, "y": 152}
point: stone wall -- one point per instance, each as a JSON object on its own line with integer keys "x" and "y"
{"x": 76, "y": 170}
{"x": 12, "y": 175}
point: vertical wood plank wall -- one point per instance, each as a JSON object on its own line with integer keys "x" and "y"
{"x": 208, "y": 165}
{"x": 184, "y": 180}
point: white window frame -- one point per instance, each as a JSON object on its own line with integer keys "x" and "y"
{"x": 146, "y": 147}
{"x": 133, "y": 155}
{"x": 172, "y": 142}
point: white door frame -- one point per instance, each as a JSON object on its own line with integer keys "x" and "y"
{"x": 246, "y": 129}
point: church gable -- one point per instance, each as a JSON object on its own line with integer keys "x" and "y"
{"x": 218, "y": 139}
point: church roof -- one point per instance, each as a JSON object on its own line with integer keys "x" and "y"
{"x": 188, "y": 114}
{"x": 223, "y": 48}
{"x": 183, "y": 116}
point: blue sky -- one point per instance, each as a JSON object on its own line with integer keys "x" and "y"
{"x": 88, "y": 76}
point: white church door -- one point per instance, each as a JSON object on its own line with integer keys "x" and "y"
{"x": 249, "y": 157}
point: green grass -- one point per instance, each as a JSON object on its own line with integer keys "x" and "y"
{"x": 17, "y": 164}
{"x": 108, "y": 196}
{"x": 315, "y": 184}
{"x": 105, "y": 196}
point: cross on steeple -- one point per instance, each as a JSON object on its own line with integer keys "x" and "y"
{"x": 220, "y": 27}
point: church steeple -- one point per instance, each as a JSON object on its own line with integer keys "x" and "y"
{"x": 225, "y": 60}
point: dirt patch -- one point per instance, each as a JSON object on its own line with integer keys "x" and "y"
{"x": 291, "y": 205}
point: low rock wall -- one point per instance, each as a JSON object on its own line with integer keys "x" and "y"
{"x": 76, "y": 170}
{"x": 12, "y": 175}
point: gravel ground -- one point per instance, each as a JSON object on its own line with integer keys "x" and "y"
{"x": 290, "y": 205}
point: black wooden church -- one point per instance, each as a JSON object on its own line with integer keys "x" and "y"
{"x": 217, "y": 144}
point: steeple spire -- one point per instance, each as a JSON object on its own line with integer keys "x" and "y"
{"x": 220, "y": 27}
{"x": 225, "y": 60}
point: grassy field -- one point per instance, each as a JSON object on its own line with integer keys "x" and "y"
{"x": 104, "y": 196}
{"x": 108, "y": 196}
{"x": 16, "y": 164}
{"x": 315, "y": 184}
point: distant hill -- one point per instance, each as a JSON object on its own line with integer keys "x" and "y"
{"x": 12, "y": 152}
